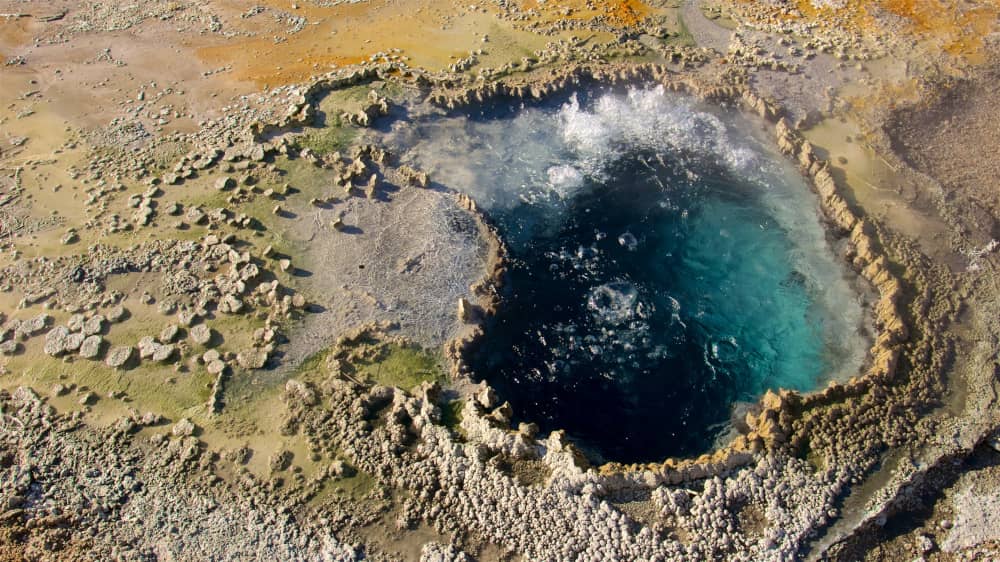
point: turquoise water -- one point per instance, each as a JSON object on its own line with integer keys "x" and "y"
{"x": 665, "y": 267}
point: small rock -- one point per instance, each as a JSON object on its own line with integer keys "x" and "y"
{"x": 340, "y": 469}
{"x": 201, "y": 334}
{"x": 169, "y": 334}
{"x": 300, "y": 392}
{"x": 264, "y": 335}
{"x": 529, "y": 430}
{"x": 502, "y": 414}
{"x": 167, "y": 308}
{"x": 74, "y": 341}
{"x": 183, "y": 428}
{"x": 117, "y": 314}
{"x": 9, "y": 347}
{"x": 487, "y": 398}
{"x": 256, "y": 154}
{"x": 215, "y": 367}
{"x": 55, "y": 341}
{"x": 239, "y": 455}
{"x": 36, "y": 325}
{"x": 231, "y": 304}
{"x": 466, "y": 311}
{"x": 75, "y": 322}
{"x": 925, "y": 544}
{"x": 163, "y": 353}
{"x": 280, "y": 461}
{"x": 90, "y": 348}
{"x": 94, "y": 325}
{"x": 119, "y": 356}
{"x": 147, "y": 346}
{"x": 186, "y": 318}
{"x": 252, "y": 358}
{"x": 225, "y": 183}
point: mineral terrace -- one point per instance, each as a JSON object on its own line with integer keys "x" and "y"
{"x": 233, "y": 324}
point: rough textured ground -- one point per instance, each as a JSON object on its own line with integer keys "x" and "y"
{"x": 195, "y": 364}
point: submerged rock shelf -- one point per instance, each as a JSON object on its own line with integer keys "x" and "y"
{"x": 666, "y": 265}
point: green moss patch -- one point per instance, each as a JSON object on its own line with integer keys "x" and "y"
{"x": 335, "y": 136}
{"x": 451, "y": 414}
{"x": 402, "y": 366}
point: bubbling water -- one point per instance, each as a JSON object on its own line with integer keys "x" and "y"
{"x": 665, "y": 265}
{"x": 613, "y": 303}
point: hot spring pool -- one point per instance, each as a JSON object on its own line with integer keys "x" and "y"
{"x": 666, "y": 265}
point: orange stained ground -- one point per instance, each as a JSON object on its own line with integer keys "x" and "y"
{"x": 618, "y": 12}
{"x": 958, "y": 28}
{"x": 962, "y": 30}
{"x": 432, "y": 33}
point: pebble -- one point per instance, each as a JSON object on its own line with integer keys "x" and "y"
{"x": 90, "y": 348}
{"x": 119, "y": 356}
{"x": 183, "y": 428}
{"x": 169, "y": 333}
{"x": 201, "y": 334}
{"x": 215, "y": 367}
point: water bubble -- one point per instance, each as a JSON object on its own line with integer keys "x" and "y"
{"x": 628, "y": 241}
{"x": 586, "y": 253}
{"x": 613, "y": 302}
{"x": 726, "y": 349}
{"x": 643, "y": 310}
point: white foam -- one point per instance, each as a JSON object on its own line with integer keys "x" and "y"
{"x": 648, "y": 119}
{"x": 565, "y": 180}
{"x": 542, "y": 155}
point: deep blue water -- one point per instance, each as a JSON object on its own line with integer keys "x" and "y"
{"x": 665, "y": 265}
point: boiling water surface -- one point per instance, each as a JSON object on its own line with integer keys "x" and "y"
{"x": 665, "y": 266}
